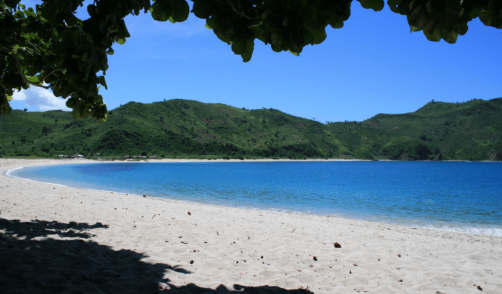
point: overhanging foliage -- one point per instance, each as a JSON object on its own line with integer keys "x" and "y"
{"x": 51, "y": 48}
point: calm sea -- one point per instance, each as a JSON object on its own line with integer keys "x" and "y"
{"x": 459, "y": 196}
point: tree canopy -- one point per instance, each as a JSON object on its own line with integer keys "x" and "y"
{"x": 50, "y": 47}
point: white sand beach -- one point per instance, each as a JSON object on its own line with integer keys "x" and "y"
{"x": 61, "y": 239}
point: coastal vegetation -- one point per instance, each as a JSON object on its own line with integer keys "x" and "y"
{"x": 190, "y": 129}
{"x": 50, "y": 47}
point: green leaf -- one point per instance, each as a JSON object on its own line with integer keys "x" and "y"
{"x": 92, "y": 10}
{"x": 94, "y": 58}
{"x": 75, "y": 113}
{"x": 207, "y": 26}
{"x": 34, "y": 79}
{"x": 49, "y": 10}
{"x": 202, "y": 8}
{"x": 258, "y": 32}
{"x": 210, "y": 23}
{"x": 19, "y": 14}
{"x": 180, "y": 10}
{"x": 239, "y": 47}
{"x": 70, "y": 37}
{"x": 277, "y": 40}
{"x": 376, "y": 5}
{"x": 431, "y": 26}
{"x": 71, "y": 102}
{"x": 335, "y": 22}
{"x": 414, "y": 29}
{"x": 307, "y": 37}
{"x": 318, "y": 32}
{"x": 463, "y": 29}
{"x": 451, "y": 37}
{"x": 102, "y": 81}
{"x": 75, "y": 80}
{"x": 486, "y": 17}
{"x": 416, "y": 16}
{"x": 246, "y": 56}
{"x": 87, "y": 71}
{"x": 120, "y": 41}
{"x": 110, "y": 51}
{"x": 122, "y": 33}
{"x": 70, "y": 19}
{"x": 161, "y": 10}
{"x": 9, "y": 98}
{"x": 285, "y": 22}
{"x": 84, "y": 113}
{"x": 415, "y": 3}
{"x": 89, "y": 39}
{"x": 294, "y": 53}
{"x": 14, "y": 49}
{"x": 430, "y": 8}
{"x": 435, "y": 36}
{"x": 5, "y": 108}
{"x": 475, "y": 11}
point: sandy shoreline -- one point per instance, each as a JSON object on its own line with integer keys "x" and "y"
{"x": 105, "y": 233}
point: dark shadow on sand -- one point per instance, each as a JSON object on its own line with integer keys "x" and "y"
{"x": 32, "y": 262}
{"x": 194, "y": 289}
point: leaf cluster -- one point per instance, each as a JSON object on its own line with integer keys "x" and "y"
{"x": 50, "y": 47}
{"x": 447, "y": 19}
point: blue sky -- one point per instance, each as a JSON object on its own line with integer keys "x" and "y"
{"x": 372, "y": 65}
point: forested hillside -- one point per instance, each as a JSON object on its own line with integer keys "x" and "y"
{"x": 191, "y": 129}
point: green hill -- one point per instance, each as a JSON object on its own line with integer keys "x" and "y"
{"x": 191, "y": 129}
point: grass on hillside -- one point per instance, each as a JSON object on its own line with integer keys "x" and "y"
{"x": 191, "y": 129}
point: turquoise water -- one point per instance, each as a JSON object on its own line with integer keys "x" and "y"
{"x": 460, "y": 196}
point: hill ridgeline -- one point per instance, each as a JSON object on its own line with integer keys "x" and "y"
{"x": 190, "y": 129}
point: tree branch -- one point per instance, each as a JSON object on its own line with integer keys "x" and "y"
{"x": 231, "y": 4}
{"x": 4, "y": 92}
{"x": 43, "y": 79}
{"x": 24, "y": 78}
{"x": 5, "y": 49}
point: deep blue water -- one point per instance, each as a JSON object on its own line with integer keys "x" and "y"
{"x": 465, "y": 196}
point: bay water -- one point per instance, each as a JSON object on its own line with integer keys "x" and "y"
{"x": 454, "y": 196}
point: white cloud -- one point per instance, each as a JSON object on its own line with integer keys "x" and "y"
{"x": 42, "y": 98}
